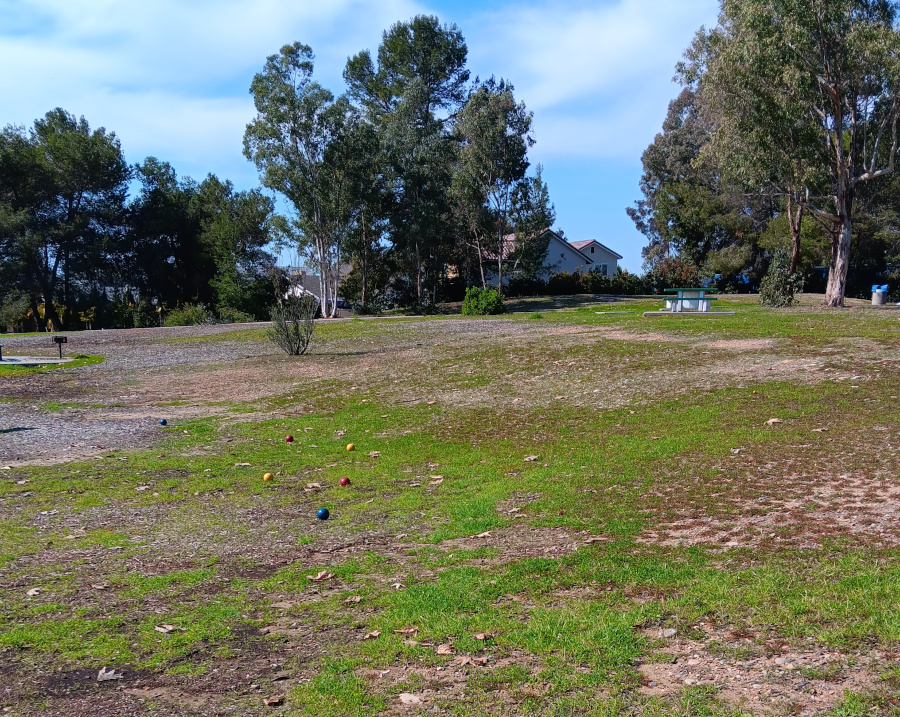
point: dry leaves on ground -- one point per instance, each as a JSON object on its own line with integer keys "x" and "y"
{"x": 274, "y": 700}
{"x": 372, "y": 635}
{"x": 324, "y": 575}
{"x": 352, "y": 599}
{"x": 445, "y": 649}
{"x": 108, "y": 673}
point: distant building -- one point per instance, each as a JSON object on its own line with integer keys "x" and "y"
{"x": 564, "y": 256}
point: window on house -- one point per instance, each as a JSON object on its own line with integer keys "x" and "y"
{"x": 603, "y": 269}
{"x": 592, "y": 250}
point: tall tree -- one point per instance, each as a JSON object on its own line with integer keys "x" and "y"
{"x": 167, "y": 262}
{"x": 494, "y": 132}
{"x": 820, "y": 79}
{"x": 412, "y": 96}
{"x": 234, "y": 230}
{"x": 66, "y": 186}
{"x": 532, "y": 213}
{"x": 296, "y": 142}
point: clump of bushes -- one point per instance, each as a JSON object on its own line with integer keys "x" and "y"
{"x": 778, "y": 285}
{"x": 482, "y": 302}
{"x": 189, "y": 315}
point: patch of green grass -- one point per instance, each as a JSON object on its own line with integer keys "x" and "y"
{"x": 79, "y": 361}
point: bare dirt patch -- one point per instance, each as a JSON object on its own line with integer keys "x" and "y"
{"x": 766, "y": 679}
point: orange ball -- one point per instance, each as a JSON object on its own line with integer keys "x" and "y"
{"x": 351, "y": 447}
{"x": 267, "y": 477}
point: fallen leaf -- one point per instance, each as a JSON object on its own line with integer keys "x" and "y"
{"x": 468, "y": 660}
{"x": 23, "y": 481}
{"x": 437, "y": 480}
{"x": 274, "y": 700}
{"x": 485, "y": 636}
{"x": 411, "y": 643}
{"x": 407, "y": 631}
{"x": 374, "y": 454}
{"x": 398, "y": 586}
{"x": 100, "y": 586}
{"x": 108, "y": 673}
{"x": 401, "y": 536}
{"x": 340, "y": 433}
{"x": 313, "y": 485}
{"x": 445, "y": 649}
{"x": 33, "y": 592}
{"x": 431, "y": 403}
{"x": 242, "y": 464}
{"x": 485, "y": 534}
{"x": 414, "y": 485}
{"x": 594, "y": 539}
{"x": 166, "y": 629}
{"x": 352, "y": 599}
{"x": 560, "y": 398}
{"x": 409, "y": 699}
{"x": 772, "y": 421}
{"x": 142, "y": 487}
{"x": 819, "y": 430}
{"x": 323, "y": 575}
{"x": 372, "y": 635}
{"x": 529, "y": 459}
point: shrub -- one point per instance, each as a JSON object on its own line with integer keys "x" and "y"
{"x": 293, "y": 321}
{"x": 482, "y": 302}
{"x": 228, "y": 315}
{"x": 778, "y": 285}
{"x": 189, "y": 315}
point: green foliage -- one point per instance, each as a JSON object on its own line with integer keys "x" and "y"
{"x": 189, "y": 315}
{"x": 622, "y": 283}
{"x": 779, "y": 285}
{"x": 482, "y": 302}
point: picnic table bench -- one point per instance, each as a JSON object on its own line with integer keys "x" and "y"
{"x": 689, "y": 299}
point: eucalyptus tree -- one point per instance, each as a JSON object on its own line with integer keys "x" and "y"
{"x": 297, "y": 142}
{"x": 494, "y": 132}
{"x": 813, "y": 85}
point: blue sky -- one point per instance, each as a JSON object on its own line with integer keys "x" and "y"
{"x": 171, "y": 78}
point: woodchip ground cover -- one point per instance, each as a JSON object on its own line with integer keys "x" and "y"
{"x": 555, "y": 513}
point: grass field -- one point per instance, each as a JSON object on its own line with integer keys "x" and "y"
{"x": 557, "y": 512}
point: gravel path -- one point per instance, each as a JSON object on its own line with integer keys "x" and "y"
{"x": 31, "y": 434}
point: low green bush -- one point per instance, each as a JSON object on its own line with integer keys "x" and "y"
{"x": 482, "y": 302}
{"x": 189, "y": 315}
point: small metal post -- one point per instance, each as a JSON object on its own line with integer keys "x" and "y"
{"x": 60, "y": 350}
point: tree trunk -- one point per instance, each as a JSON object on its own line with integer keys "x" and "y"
{"x": 365, "y": 252}
{"x": 795, "y": 222}
{"x": 480, "y": 262}
{"x": 840, "y": 251}
{"x": 36, "y": 317}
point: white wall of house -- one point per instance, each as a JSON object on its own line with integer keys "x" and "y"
{"x": 561, "y": 257}
{"x": 603, "y": 259}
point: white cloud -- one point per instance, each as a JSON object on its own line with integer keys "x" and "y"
{"x": 597, "y": 77}
{"x": 171, "y": 77}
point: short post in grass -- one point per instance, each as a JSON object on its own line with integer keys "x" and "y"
{"x": 59, "y": 341}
